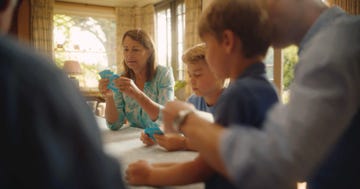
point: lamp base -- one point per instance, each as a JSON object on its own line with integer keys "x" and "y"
{"x": 75, "y": 81}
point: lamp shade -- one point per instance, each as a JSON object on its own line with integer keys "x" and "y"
{"x": 72, "y": 67}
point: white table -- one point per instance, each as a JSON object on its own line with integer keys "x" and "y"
{"x": 126, "y": 146}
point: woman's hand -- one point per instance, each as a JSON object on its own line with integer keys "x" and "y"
{"x": 146, "y": 139}
{"x": 171, "y": 141}
{"x": 127, "y": 86}
{"x": 138, "y": 173}
{"x": 103, "y": 83}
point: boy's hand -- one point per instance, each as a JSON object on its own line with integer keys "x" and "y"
{"x": 171, "y": 141}
{"x": 138, "y": 173}
{"x": 146, "y": 139}
{"x": 171, "y": 110}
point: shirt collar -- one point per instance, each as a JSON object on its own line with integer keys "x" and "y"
{"x": 325, "y": 19}
{"x": 254, "y": 70}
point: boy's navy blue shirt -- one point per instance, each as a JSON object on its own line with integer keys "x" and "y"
{"x": 244, "y": 102}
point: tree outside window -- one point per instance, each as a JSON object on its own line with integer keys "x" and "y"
{"x": 88, "y": 40}
{"x": 269, "y": 63}
{"x": 290, "y": 58}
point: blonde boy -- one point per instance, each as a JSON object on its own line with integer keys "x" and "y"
{"x": 205, "y": 85}
{"x": 236, "y": 36}
{"x": 206, "y": 88}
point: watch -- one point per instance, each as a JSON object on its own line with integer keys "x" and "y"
{"x": 180, "y": 119}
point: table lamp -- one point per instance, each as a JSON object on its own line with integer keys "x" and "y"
{"x": 72, "y": 68}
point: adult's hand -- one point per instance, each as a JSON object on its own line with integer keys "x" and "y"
{"x": 127, "y": 86}
{"x": 103, "y": 83}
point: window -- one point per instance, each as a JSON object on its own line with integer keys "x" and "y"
{"x": 289, "y": 60}
{"x": 170, "y": 28}
{"x": 269, "y": 63}
{"x": 90, "y": 40}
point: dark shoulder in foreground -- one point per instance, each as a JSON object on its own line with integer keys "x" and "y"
{"x": 49, "y": 137}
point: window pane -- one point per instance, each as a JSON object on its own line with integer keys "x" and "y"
{"x": 89, "y": 40}
{"x": 168, "y": 38}
{"x": 180, "y": 14}
{"x": 269, "y": 63}
{"x": 163, "y": 37}
{"x": 289, "y": 59}
{"x": 170, "y": 28}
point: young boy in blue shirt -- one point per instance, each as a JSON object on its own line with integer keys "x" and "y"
{"x": 236, "y": 35}
{"x": 206, "y": 90}
{"x": 206, "y": 87}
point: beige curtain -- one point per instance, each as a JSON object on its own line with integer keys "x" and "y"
{"x": 41, "y": 24}
{"x": 124, "y": 21}
{"x": 132, "y": 18}
{"x": 192, "y": 15}
{"x": 350, "y": 6}
{"x": 145, "y": 19}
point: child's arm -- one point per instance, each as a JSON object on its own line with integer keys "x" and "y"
{"x": 166, "y": 164}
{"x": 142, "y": 173}
{"x": 173, "y": 142}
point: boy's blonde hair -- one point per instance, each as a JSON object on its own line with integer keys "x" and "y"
{"x": 243, "y": 17}
{"x": 194, "y": 54}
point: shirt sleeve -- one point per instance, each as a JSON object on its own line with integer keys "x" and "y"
{"x": 120, "y": 106}
{"x": 296, "y": 136}
{"x": 194, "y": 100}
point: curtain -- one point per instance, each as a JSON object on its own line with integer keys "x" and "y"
{"x": 145, "y": 19}
{"x": 132, "y": 18}
{"x": 192, "y": 15}
{"x": 41, "y": 24}
{"x": 124, "y": 21}
{"x": 350, "y": 6}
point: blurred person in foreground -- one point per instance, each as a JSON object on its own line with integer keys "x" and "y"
{"x": 49, "y": 137}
